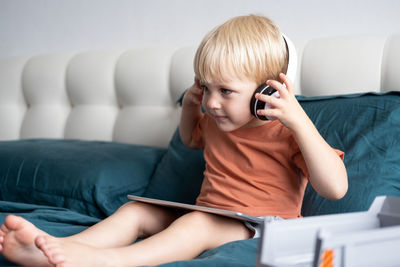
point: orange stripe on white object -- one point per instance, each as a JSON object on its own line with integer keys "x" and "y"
{"x": 327, "y": 258}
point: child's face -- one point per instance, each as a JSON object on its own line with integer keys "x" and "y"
{"x": 228, "y": 103}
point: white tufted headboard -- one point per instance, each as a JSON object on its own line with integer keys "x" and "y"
{"x": 125, "y": 96}
{"x": 130, "y": 96}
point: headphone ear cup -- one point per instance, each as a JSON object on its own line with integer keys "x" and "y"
{"x": 256, "y": 104}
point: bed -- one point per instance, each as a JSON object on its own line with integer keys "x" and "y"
{"x": 81, "y": 130}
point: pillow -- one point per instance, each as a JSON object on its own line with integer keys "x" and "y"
{"x": 179, "y": 174}
{"x": 89, "y": 177}
{"x": 367, "y": 128}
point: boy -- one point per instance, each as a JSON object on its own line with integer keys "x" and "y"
{"x": 252, "y": 166}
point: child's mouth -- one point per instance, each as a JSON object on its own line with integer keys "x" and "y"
{"x": 220, "y": 118}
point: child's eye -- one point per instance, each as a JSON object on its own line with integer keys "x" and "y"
{"x": 204, "y": 88}
{"x": 225, "y": 91}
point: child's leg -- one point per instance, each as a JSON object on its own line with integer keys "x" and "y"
{"x": 131, "y": 221}
{"x": 184, "y": 239}
{"x": 17, "y": 236}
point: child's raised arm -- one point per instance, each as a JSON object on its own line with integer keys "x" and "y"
{"x": 328, "y": 174}
{"x": 191, "y": 113}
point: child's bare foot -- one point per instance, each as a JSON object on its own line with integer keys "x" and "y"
{"x": 63, "y": 253}
{"x": 3, "y": 231}
{"x": 17, "y": 242}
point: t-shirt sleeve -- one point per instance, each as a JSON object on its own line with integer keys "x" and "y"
{"x": 301, "y": 164}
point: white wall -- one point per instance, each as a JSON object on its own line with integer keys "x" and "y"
{"x": 29, "y": 27}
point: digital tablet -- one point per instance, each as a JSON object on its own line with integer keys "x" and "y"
{"x": 171, "y": 204}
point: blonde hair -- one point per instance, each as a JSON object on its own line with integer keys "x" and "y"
{"x": 249, "y": 47}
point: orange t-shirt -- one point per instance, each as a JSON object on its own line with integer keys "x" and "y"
{"x": 259, "y": 171}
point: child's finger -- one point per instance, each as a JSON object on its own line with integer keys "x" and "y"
{"x": 270, "y": 100}
{"x": 274, "y": 113}
{"x": 288, "y": 83}
{"x": 197, "y": 81}
{"x": 197, "y": 91}
{"x": 278, "y": 87}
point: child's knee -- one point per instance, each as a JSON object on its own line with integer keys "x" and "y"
{"x": 204, "y": 223}
{"x": 214, "y": 230}
{"x": 200, "y": 219}
{"x": 140, "y": 210}
{"x": 211, "y": 222}
{"x": 131, "y": 206}
{"x": 149, "y": 219}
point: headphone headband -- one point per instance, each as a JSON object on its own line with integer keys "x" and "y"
{"x": 292, "y": 61}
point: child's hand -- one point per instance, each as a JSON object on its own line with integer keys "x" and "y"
{"x": 286, "y": 108}
{"x": 194, "y": 95}
{"x": 191, "y": 114}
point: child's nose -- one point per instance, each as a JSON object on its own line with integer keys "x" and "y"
{"x": 213, "y": 103}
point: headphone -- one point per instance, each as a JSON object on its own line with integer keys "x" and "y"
{"x": 265, "y": 89}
